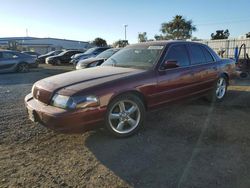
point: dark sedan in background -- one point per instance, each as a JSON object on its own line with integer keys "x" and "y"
{"x": 136, "y": 79}
{"x": 61, "y": 58}
{"x": 98, "y": 60}
{"x": 12, "y": 61}
{"x": 41, "y": 58}
{"x": 92, "y": 52}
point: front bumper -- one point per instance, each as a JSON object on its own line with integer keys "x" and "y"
{"x": 61, "y": 120}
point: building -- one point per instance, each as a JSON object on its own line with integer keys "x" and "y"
{"x": 41, "y": 45}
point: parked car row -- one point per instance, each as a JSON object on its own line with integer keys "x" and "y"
{"x": 41, "y": 58}
{"x": 21, "y": 62}
{"x": 96, "y": 61}
{"x": 92, "y": 52}
{"x": 62, "y": 58}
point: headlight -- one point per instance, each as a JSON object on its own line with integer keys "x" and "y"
{"x": 74, "y": 102}
{"x": 80, "y": 66}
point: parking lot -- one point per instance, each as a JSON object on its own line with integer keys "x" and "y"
{"x": 192, "y": 144}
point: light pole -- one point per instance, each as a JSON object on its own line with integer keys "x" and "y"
{"x": 125, "y": 28}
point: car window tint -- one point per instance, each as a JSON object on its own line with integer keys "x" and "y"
{"x": 197, "y": 55}
{"x": 100, "y": 50}
{"x": 178, "y": 53}
{"x": 8, "y": 55}
{"x": 208, "y": 56}
{"x": 1, "y": 55}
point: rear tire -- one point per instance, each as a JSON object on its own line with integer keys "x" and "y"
{"x": 220, "y": 90}
{"x": 23, "y": 67}
{"x": 125, "y": 115}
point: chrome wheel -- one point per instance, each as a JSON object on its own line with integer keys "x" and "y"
{"x": 23, "y": 67}
{"x": 221, "y": 88}
{"x": 124, "y": 116}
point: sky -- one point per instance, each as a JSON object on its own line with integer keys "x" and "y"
{"x": 85, "y": 20}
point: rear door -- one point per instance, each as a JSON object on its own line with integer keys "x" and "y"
{"x": 204, "y": 69}
{"x": 174, "y": 83}
{"x": 8, "y": 61}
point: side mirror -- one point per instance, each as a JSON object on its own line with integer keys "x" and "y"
{"x": 170, "y": 64}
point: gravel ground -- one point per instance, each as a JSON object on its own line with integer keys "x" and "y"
{"x": 195, "y": 144}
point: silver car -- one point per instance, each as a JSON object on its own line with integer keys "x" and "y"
{"x": 12, "y": 61}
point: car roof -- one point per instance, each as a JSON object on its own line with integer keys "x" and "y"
{"x": 162, "y": 43}
{"x": 10, "y": 51}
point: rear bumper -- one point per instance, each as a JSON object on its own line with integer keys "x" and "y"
{"x": 61, "y": 120}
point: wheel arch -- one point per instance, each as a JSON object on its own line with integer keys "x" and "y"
{"x": 225, "y": 75}
{"x": 133, "y": 92}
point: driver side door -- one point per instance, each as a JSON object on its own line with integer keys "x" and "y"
{"x": 174, "y": 83}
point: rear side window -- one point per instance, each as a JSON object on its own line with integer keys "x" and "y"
{"x": 178, "y": 53}
{"x": 100, "y": 50}
{"x": 197, "y": 55}
{"x": 9, "y": 55}
{"x": 70, "y": 53}
{"x": 208, "y": 56}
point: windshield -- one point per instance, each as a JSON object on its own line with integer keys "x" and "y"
{"x": 50, "y": 53}
{"x": 106, "y": 54}
{"x": 89, "y": 51}
{"x": 138, "y": 57}
{"x": 62, "y": 53}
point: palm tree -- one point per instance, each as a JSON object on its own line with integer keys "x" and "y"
{"x": 142, "y": 37}
{"x": 179, "y": 28}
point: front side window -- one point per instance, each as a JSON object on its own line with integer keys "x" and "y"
{"x": 197, "y": 55}
{"x": 143, "y": 57}
{"x": 179, "y": 54}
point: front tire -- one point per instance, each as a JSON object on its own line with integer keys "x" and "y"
{"x": 23, "y": 67}
{"x": 125, "y": 115}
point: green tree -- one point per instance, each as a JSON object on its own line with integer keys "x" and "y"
{"x": 142, "y": 37}
{"x": 159, "y": 37}
{"x": 100, "y": 42}
{"x": 120, "y": 43}
{"x": 220, "y": 34}
{"x": 179, "y": 28}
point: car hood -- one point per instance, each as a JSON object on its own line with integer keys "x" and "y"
{"x": 74, "y": 81}
{"x": 85, "y": 56}
{"x": 43, "y": 56}
{"x": 90, "y": 60}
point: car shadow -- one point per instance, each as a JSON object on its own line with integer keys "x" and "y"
{"x": 184, "y": 145}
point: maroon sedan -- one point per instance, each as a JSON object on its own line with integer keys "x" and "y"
{"x": 136, "y": 79}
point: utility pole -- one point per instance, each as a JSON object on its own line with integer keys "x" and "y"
{"x": 27, "y": 34}
{"x": 125, "y": 28}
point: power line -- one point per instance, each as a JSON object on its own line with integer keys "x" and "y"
{"x": 224, "y": 22}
